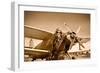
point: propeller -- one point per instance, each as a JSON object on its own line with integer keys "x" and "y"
{"x": 74, "y": 37}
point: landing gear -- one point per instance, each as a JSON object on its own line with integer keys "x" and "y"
{"x": 33, "y": 59}
{"x": 73, "y": 58}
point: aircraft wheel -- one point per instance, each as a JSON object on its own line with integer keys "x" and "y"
{"x": 73, "y": 58}
{"x": 33, "y": 59}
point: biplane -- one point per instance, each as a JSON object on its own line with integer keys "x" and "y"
{"x": 46, "y": 50}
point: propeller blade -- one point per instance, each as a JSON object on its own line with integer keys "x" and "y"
{"x": 72, "y": 43}
{"x": 79, "y": 47}
{"x": 70, "y": 46}
{"x": 78, "y": 30}
{"x": 80, "y": 44}
{"x": 68, "y": 28}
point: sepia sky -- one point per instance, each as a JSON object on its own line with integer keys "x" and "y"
{"x": 49, "y": 21}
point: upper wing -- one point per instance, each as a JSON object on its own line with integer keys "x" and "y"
{"x": 84, "y": 40}
{"x": 36, "y": 33}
